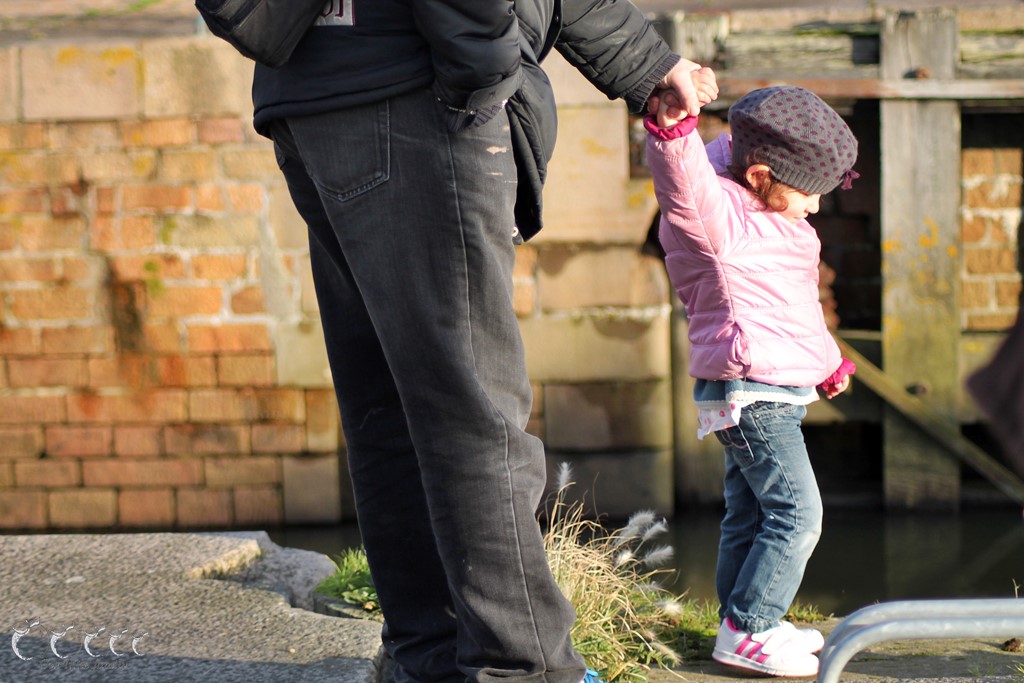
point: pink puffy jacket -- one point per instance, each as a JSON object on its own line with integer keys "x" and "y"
{"x": 748, "y": 276}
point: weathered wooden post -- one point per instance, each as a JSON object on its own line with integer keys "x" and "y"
{"x": 920, "y": 207}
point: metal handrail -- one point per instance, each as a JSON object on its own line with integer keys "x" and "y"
{"x": 917, "y": 620}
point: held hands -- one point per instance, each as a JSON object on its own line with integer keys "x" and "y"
{"x": 683, "y": 91}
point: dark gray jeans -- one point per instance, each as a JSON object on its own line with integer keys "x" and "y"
{"x": 411, "y": 244}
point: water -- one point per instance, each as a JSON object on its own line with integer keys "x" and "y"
{"x": 863, "y": 556}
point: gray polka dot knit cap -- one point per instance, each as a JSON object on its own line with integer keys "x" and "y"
{"x": 805, "y": 142}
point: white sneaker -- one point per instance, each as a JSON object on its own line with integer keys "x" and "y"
{"x": 812, "y": 640}
{"x": 779, "y": 651}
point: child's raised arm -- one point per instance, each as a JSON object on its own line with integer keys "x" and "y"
{"x": 667, "y": 103}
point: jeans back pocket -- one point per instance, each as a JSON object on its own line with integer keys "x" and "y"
{"x": 347, "y": 152}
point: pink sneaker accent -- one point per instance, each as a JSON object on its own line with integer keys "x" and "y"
{"x": 779, "y": 651}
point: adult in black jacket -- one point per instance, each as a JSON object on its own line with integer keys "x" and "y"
{"x": 413, "y": 135}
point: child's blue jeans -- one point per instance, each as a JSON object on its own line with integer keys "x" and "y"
{"x": 772, "y": 515}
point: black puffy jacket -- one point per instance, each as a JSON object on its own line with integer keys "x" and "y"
{"x": 476, "y": 54}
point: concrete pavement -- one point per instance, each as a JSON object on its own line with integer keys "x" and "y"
{"x": 235, "y": 607}
{"x": 179, "y": 606}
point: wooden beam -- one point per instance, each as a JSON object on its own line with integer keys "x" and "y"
{"x": 920, "y": 240}
{"x": 942, "y": 432}
{"x": 733, "y": 87}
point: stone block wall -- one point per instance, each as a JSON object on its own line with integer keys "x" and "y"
{"x": 161, "y": 357}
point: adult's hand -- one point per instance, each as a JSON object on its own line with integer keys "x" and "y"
{"x": 692, "y": 85}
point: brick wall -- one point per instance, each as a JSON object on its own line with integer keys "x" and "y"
{"x": 991, "y": 188}
{"x": 161, "y": 357}
{"x": 161, "y": 361}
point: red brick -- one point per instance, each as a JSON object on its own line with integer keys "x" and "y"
{"x": 6, "y": 474}
{"x": 209, "y": 198}
{"x": 180, "y": 302}
{"x": 22, "y": 136}
{"x": 186, "y": 371}
{"x": 104, "y": 233}
{"x": 991, "y": 322}
{"x": 155, "y": 197}
{"x": 978, "y": 261}
{"x": 138, "y": 441}
{"x": 204, "y": 508}
{"x": 200, "y": 439}
{"x": 137, "y": 232}
{"x": 21, "y": 442}
{"x": 268, "y": 405}
{"x": 48, "y": 473}
{"x": 248, "y": 300}
{"x": 524, "y": 297}
{"x": 22, "y": 510}
{"x": 53, "y": 303}
{"x": 218, "y": 405}
{"x": 157, "y": 133}
{"x": 228, "y": 338}
{"x": 15, "y": 202}
{"x": 124, "y": 370}
{"x": 323, "y": 432}
{"x": 137, "y": 472}
{"x": 8, "y": 233}
{"x": 91, "y": 340}
{"x": 64, "y": 232}
{"x": 271, "y": 438}
{"x": 994, "y": 194}
{"x": 245, "y": 370}
{"x": 1008, "y": 293}
{"x": 219, "y": 266}
{"x": 163, "y": 337}
{"x": 46, "y": 372}
{"x": 217, "y": 131}
{"x": 84, "y": 135}
{"x": 76, "y": 269}
{"x": 975, "y": 294}
{"x": 28, "y": 409}
{"x": 32, "y": 168}
{"x": 188, "y": 165}
{"x": 258, "y": 505}
{"x": 78, "y": 441}
{"x": 68, "y": 200}
{"x": 146, "y": 508}
{"x": 106, "y": 200}
{"x": 526, "y": 262}
{"x": 17, "y": 269}
{"x": 159, "y": 405}
{"x": 977, "y": 162}
{"x": 230, "y": 472}
{"x": 278, "y": 405}
{"x": 248, "y": 197}
{"x": 19, "y": 341}
{"x": 83, "y": 508}
{"x": 146, "y": 267}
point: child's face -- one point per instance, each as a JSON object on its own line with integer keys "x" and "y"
{"x": 799, "y": 205}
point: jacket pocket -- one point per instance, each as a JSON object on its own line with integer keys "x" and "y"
{"x": 352, "y": 149}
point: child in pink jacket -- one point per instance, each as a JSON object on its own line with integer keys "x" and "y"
{"x": 744, "y": 260}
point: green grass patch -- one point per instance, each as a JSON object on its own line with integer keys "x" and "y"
{"x": 351, "y": 581}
